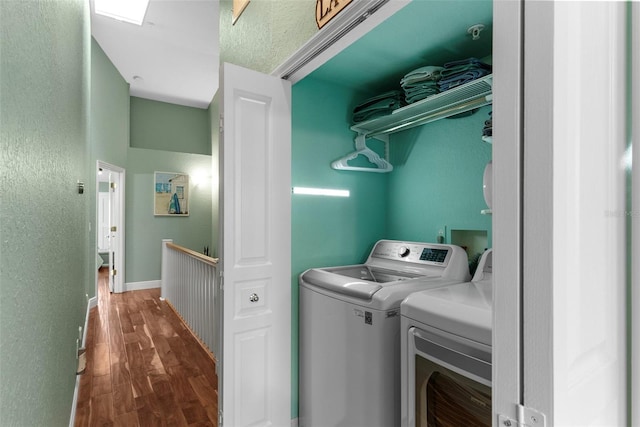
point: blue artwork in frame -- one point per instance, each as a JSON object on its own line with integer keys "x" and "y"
{"x": 171, "y": 194}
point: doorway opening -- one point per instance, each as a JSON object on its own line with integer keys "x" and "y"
{"x": 110, "y": 223}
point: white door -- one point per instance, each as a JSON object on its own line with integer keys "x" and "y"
{"x": 566, "y": 363}
{"x": 113, "y": 229}
{"x": 103, "y": 221}
{"x": 255, "y": 168}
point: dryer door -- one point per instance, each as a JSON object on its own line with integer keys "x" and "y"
{"x": 452, "y": 381}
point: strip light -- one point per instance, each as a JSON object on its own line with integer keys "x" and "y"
{"x": 321, "y": 192}
{"x": 132, "y": 11}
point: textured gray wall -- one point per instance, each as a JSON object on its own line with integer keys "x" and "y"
{"x": 267, "y": 32}
{"x": 44, "y": 67}
{"x": 109, "y": 136}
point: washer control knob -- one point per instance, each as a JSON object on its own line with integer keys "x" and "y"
{"x": 403, "y": 251}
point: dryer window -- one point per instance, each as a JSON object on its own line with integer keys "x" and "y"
{"x": 446, "y": 399}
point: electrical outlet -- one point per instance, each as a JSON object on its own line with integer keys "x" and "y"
{"x": 441, "y": 236}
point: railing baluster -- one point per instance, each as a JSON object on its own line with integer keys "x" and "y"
{"x": 188, "y": 284}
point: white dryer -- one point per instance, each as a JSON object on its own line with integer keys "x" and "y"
{"x": 446, "y": 353}
{"x": 350, "y": 331}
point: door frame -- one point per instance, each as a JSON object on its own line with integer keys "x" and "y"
{"x": 507, "y": 167}
{"x": 119, "y": 194}
{"x": 571, "y": 371}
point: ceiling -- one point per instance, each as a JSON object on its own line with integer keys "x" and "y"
{"x": 176, "y": 50}
{"x": 174, "y": 53}
{"x": 422, "y": 33}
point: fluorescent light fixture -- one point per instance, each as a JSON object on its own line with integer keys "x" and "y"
{"x": 321, "y": 192}
{"x": 132, "y": 11}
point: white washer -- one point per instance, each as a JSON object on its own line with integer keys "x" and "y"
{"x": 446, "y": 353}
{"x": 350, "y": 331}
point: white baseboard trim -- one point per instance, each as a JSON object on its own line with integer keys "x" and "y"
{"x": 294, "y": 421}
{"x": 137, "y": 286}
{"x": 91, "y": 302}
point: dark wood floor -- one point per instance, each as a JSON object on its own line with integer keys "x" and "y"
{"x": 144, "y": 368}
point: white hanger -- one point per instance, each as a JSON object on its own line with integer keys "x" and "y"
{"x": 382, "y": 165}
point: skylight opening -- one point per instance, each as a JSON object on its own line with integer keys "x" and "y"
{"x": 132, "y": 11}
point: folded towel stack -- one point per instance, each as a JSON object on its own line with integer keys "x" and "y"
{"x": 463, "y": 71}
{"x": 421, "y": 83}
{"x": 487, "y": 130}
{"x": 377, "y": 106}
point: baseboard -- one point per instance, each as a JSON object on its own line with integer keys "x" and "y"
{"x": 137, "y": 286}
{"x": 91, "y": 302}
{"x": 294, "y": 422}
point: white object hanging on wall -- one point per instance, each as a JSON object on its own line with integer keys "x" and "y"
{"x": 487, "y": 184}
{"x": 379, "y": 164}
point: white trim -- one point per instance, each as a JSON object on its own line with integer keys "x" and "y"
{"x": 348, "y": 26}
{"x": 91, "y": 302}
{"x": 507, "y": 208}
{"x": 294, "y": 422}
{"x": 138, "y": 286}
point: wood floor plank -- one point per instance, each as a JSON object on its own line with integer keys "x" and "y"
{"x": 207, "y": 395}
{"x": 180, "y": 384}
{"x": 195, "y": 413}
{"x": 150, "y": 411}
{"x": 120, "y": 368}
{"x": 130, "y": 419}
{"x": 123, "y": 401}
{"x": 183, "y": 356}
{"x": 166, "y": 354}
{"x": 140, "y": 383}
{"x": 101, "y": 361}
{"x": 101, "y": 410}
{"x": 144, "y": 368}
{"x": 152, "y": 362}
{"x": 101, "y": 385}
{"x": 144, "y": 336}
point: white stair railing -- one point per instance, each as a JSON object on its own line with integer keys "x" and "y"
{"x": 189, "y": 286}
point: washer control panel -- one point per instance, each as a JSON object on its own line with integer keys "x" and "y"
{"x": 420, "y": 253}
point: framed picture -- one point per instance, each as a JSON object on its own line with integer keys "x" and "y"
{"x": 238, "y": 7}
{"x": 170, "y": 194}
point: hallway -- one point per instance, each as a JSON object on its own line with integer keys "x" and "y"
{"x": 144, "y": 368}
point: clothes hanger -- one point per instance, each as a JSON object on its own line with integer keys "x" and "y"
{"x": 381, "y": 165}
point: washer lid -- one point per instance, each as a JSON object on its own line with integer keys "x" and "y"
{"x": 342, "y": 284}
{"x": 464, "y": 310}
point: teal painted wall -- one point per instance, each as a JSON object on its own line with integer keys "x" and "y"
{"x": 167, "y": 138}
{"x": 109, "y": 135}
{"x": 145, "y": 231}
{"x": 437, "y": 179}
{"x": 328, "y": 230}
{"x": 109, "y": 110}
{"x": 436, "y": 182}
{"x": 162, "y": 126}
{"x": 44, "y": 81}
